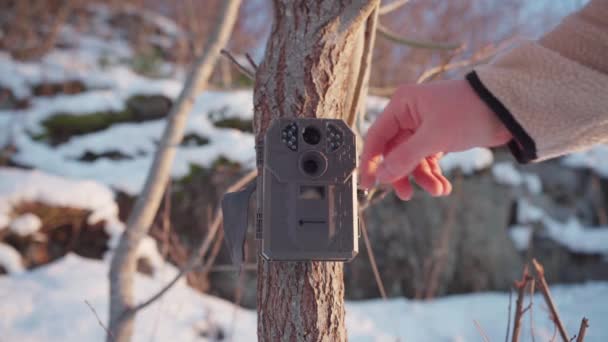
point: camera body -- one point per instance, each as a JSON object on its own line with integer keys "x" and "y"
{"x": 309, "y": 195}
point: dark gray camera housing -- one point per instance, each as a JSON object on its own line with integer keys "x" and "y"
{"x": 309, "y": 195}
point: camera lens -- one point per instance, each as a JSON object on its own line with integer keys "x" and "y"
{"x": 311, "y": 135}
{"x": 310, "y": 166}
{"x": 313, "y": 164}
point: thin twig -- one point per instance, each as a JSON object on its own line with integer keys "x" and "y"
{"x": 435, "y": 263}
{"x": 520, "y": 285}
{"x": 392, "y": 6}
{"x": 108, "y": 333}
{"x": 359, "y": 92}
{"x": 197, "y": 257}
{"x": 386, "y": 33}
{"x": 248, "y": 73}
{"x": 213, "y": 254}
{"x": 509, "y": 315}
{"x": 372, "y": 259}
{"x": 481, "y": 331}
{"x": 430, "y": 73}
{"x": 582, "y": 330}
{"x": 532, "y": 285}
{"x": 544, "y": 288}
{"x": 251, "y": 61}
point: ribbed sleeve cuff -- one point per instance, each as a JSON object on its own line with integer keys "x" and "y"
{"x": 522, "y": 146}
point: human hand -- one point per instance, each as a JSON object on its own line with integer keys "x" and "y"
{"x": 419, "y": 125}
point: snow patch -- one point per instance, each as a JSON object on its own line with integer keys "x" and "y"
{"x": 520, "y": 235}
{"x": 468, "y": 161}
{"x": 10, "y": 259}
{"x": 505, "y": 173}
{"x": 18, "y": 186}
{"x": 47, "y": 304}
{"x": 571, "y": 234}
{"x": 595, "y": 159}
{"x": 26, "y": 224}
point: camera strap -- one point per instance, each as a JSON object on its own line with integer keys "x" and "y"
{"x": 235, "y": 208}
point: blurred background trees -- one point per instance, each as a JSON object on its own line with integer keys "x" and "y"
{"x": 166, "y": 35}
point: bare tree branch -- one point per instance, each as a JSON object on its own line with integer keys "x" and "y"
{"x": 532, "y": 287}
{"x": 372, "y": 259}
{"x": 387, "y": 34}
{"x": 544, "y": 288}
{"x": 481, "y": 331}
{"x": 435, "y": 263}
{"x": 98, "y": 319}
{"x": 392, "y": 6}
{"x": 582, "y": 330}
{"x": 197, "y": 258}
{"x": 509, "y": 315}
{"x": 252, "y": 62}
{"x": 242, "y": 69}
{"x": 124, "y": 260}
{"x": 360, "y": 89}
{"x": 519, "y": 310}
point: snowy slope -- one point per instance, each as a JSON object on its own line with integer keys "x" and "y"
{"x": 48, "y": 304}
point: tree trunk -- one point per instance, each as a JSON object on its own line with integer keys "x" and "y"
{"x": 315, "y": 66}
{"x": 123, "y": 264}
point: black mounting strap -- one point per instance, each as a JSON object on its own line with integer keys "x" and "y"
{"x": 235, "y": 206}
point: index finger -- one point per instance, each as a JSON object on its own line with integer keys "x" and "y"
{"x": 382, "y": 131}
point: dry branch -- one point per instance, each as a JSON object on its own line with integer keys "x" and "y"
{"x": 544, "y": 288}
{"x": 392, "y": 6}
{"x": 387, "y": 34}
{"x": 582, "y": 330}
{"x": 372, "y": 259}
{"x": 520, "y": 286}
{"x": 197, "y": 258}
{"x": 251, "y": 62}
{"x": 98, "y": 319}
{"x": 124, "y": 260}
{"x": 482, "y": 332}
{"x": 241, "y": 68}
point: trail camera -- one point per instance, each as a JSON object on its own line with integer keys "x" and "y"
{"x": 307, "y": 207}
{"x": 309, "y": 202}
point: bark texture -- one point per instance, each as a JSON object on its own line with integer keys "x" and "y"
{"x": 123, "y": 265}
{"x": 312, "y": 68}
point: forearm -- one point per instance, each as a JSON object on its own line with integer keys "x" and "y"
{"x": 553, "y": 94}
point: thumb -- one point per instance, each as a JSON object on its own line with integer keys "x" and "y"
{"x": 402, "y": 159}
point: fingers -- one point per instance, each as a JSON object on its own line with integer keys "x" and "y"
{"x": 403, "y": 188}
{"x": 402, "y": 160}
{"x": 436, "y": 171}
{"x": 430, "y": 178}
{"x": 395, "y": 119}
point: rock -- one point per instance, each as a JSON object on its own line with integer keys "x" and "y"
{"x": 422, "y": 252}
{"x": 148, "y": 107}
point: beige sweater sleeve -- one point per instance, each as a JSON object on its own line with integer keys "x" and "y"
{"x": 552, "y": 94}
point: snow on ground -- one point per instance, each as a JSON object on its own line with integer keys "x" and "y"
{"x": 505, "y": 173}
{"x": 10, "y": 260}
{"x": 520, "y": 235}
{"x": 595, "y": 159}
{"x": 467, "y": 161}
{"x": 48, "y": 304}
{"x": 25, "y": 224}
{"x": 571, "y": 234}
{"x": 20, "y": 186}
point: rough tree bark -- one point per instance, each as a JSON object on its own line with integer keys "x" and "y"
{"x": 314, "y": 67}
{"x": 123, "y": 265}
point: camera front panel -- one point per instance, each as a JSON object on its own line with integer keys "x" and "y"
{"x": 309, "y": 191}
